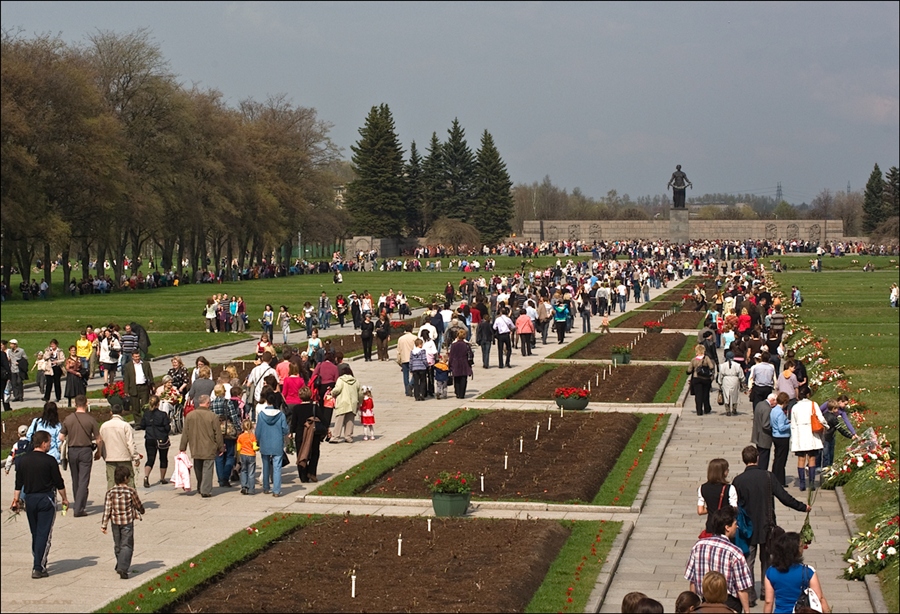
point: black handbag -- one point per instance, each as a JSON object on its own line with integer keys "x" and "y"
{"x": 163, "y": 444}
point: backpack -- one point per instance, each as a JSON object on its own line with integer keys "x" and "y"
{"x": 703, "y": 372}
{"x": 20, "y": 449}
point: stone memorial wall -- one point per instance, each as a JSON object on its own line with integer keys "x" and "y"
{"x": 772, "y": 230}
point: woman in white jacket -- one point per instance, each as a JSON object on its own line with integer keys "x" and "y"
{"x": 804, "y": 440}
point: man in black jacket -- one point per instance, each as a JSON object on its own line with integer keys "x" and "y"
{"x": 756, "y": 488}
{"x": 39, "y": 478}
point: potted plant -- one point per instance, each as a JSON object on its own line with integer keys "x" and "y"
{"x": 621, "y": 354}
{"x": 450, "y": 492}
{"x": 115, "y": 393}
{"x": 572, "y": 397}
{"x": 653, "y": 326}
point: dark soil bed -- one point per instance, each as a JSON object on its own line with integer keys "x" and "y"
{"x": 462, "y": 565}
{"x": 663, "y": 346}
{"x": 10, "y": 435}
{"x": 682, "y": 320}
{"x": 627, "y": 384}
{"x": 568, "y": 463}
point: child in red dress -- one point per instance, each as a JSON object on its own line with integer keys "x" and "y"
{"x": 367, "y": 414}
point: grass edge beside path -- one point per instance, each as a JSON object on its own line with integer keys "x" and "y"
{"x": 573, "y": 574}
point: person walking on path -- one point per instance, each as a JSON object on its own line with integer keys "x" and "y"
{"x": 405, "y": 345}
{"x": 156, "y": 425}
{"x": 271, "y": 428}
{"x": 701, "y": 371}
{"x": 757, "y": 489}
{"x": 761, "y": 429}
{"x": 717, "y": 553}
{"x": 39, "y": 477}
{"x": 230, "y": 423}
{"x": 781, "y": 437}
{"x": 806, "y": 439}
{"x": 121, "y": 507}
{"x": 204, "y": 436}
{"x": 503, "y": 327}
{"x": 18, "y": 370}
{"x": 82, "y": 433}
{"x": 347, "y": 395}
{"x": 118, "y": 446}
{"x": 788, "y": 575}
{"x": 731, "y": 382}
{"x": 138, "y": 379}
{"x": 460, "y": 364}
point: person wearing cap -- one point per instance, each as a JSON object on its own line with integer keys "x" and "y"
{"x": 17, "y": 360}
{"x": 138, "y": 380}
{"x": 731, "y": 381}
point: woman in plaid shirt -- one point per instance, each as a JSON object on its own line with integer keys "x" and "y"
{"x": 121, "y": 507}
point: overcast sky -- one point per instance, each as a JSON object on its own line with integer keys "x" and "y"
{"x": 599, "y": 96}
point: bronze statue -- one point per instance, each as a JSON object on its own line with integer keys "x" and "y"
{"x": 678, "y": 183}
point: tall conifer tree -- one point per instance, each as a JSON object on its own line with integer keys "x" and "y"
{"x": 873, "y": 201}
{"x": 493, "y": 193}
{"x": 459, "y": 174}
{"x": 415, "y": 193}
{"x": 434, "y": 183}
{"x": 376, "y": 198}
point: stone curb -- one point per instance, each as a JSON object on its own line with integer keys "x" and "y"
{"x": 873, "y": 583}
{"x": 598, "y": 595}
{"x": 524, "y": 506}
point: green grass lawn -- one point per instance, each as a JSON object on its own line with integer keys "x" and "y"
{"x": 851, "y": 311}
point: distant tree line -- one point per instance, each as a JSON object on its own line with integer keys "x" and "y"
{"x": 468, "y": 193}
{"x": 104, "y": 154}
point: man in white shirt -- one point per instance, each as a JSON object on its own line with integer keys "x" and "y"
{"x": 503, "y": 326}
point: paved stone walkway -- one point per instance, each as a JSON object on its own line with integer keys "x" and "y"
{"x": 658, "y": 550}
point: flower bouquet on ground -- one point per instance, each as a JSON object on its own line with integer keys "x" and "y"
{"x": 872, "y": 449}
{"x": 653, "y": 326}
{"x": 874, "y": 550}
{"x": 446, "y": 482}
{"x": 571, "y": 393}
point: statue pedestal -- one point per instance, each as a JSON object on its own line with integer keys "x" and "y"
{"x": 679, "y": 225}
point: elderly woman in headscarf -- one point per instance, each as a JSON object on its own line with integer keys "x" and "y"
{"x": 731, "y": 381}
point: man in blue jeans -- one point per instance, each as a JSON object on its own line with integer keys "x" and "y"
{"x": 38, "y": 475}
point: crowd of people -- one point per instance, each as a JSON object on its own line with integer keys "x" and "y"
{"x": 312, "y": 396}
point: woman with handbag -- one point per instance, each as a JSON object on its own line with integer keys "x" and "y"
{"x": 715, "y": 493}
{"x": 155, "y": 423}
{"x": 701, "y": 371}
{"x": 808, "y": 426}
{"x": 789, "y": 582}
{"x": 309, "y": 431}
{"x": 382, "y": 335}
{"x": 110, "y": 350}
